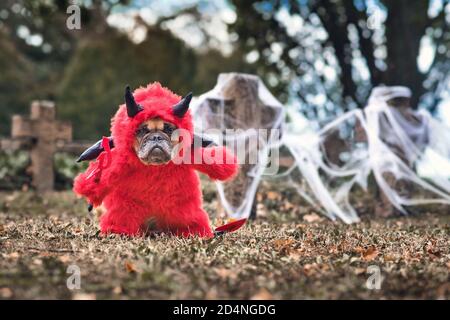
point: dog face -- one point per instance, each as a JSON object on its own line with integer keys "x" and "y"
{"x": 154, "y": 141}
{"x": 152, "y": 127}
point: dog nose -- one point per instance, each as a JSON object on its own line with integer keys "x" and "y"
{"x": 156, "y": 138}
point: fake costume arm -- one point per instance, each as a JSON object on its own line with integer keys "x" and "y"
{"x": 96, "y": 187}
{"x": 218, "y": 163}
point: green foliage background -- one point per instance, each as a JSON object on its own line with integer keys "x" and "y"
{"x": 16, "y": 82}
{"x": 86, "y": 70}
{"x": 95, "y": 78}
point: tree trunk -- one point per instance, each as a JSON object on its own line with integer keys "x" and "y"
{"x": 405, "y": 26}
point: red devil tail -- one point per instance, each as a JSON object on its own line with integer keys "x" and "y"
{"x": 229, "y": 227}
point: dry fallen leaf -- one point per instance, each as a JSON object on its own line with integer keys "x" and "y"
{"x": 310, "y": 269}
{"x": 37, "y": 262}
{"x": 295, "y": 255}
{"x": 11, "y": 197}
{"x": 262, "y": 294}
{"x": 388, "y": 257}
{"x": 359, "y": 249}
{"x": 6, "y": 293}
{"x": 224, "y": 273}
{"x": 288, "y": 206}
{"x": 12, "y": 255}
{"x": 301, "y": 226}
{"x": 272, "y": 195}
{"x": 370, "y": 254}
{"x": 44, "y": 254}
{"x": 130, "y": 267}
{"x": 64, "y": 259}
{"x": 311, "y": 218}
{"x": 283, "y": 246}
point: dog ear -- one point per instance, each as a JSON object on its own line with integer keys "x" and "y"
{"x": 182, "y": 107}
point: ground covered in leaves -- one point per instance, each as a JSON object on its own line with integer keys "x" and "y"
{"x": 289, "y": 253}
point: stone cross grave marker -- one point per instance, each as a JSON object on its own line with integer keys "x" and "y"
{"x": 45, "y": 134}
{"x": 239, "y": 105}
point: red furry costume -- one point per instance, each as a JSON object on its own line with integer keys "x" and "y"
{"x": 134, "y": 194}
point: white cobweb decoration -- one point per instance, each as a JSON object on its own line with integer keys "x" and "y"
{"x": 403, "y": 148}
{"x": 242, "y": 103}
{"x": 327, "y": 164}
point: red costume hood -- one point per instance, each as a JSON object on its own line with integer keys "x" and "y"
{"x": 156, "y": 101}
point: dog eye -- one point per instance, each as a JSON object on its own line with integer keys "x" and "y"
{"x": 142, "y": 131}
{"x": 168, "y": 129}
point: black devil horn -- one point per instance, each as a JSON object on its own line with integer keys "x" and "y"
{"x": 132, "y": 107}
{"x": 182, "y": 107}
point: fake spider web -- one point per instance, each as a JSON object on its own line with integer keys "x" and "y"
{"x": 327, "y": 164}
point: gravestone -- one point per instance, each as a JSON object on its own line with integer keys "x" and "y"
{"x": 240, "y": 101}
{"x": 44, "y": 133}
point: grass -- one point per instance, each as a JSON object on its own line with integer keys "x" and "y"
{"x": 289, "y": 253}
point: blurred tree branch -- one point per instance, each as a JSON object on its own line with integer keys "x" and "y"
{"x": 349, "y": 37}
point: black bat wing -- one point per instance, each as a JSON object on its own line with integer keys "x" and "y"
{"x": 203, "y": 141}
{"x": 94, "y": 151}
